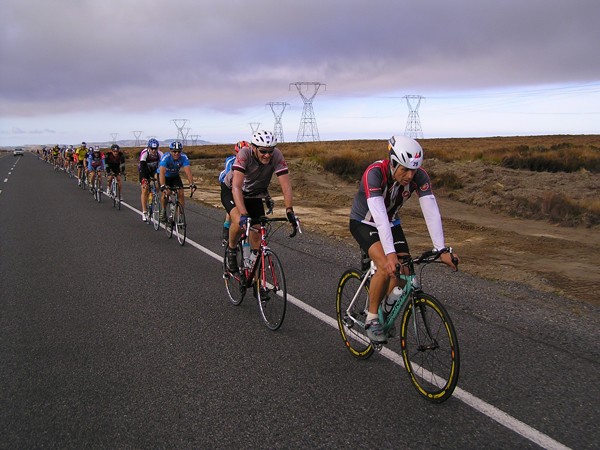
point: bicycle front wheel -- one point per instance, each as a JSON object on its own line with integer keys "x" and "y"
{"x": 351, "y": 306}
{"x": 179, "y": 219}
{"x": 118, "y": 195}
{"x": 271, "y": 290}
{"x": 170, "y": 216}
{"x": 98, "y": 189}
{"x": 235, "y": 282}
{"x": 430, "y": 348}
{"x": 155, "y": 215}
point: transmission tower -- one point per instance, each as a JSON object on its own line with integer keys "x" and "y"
{"x": 137, "y": 135}
{"x": 194, "y": 138}
{"x": 114, "y": 137}
{"x": 254, "y": 126}
{"x": 278, "y": 108}
{"x": 308, "y": 124}
{"x": 413, "y": 124}
{"x": 185, "y": 135}
{"x": 179, "y": 124}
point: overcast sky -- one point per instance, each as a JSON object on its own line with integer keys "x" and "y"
{"x": 73, "y": 70}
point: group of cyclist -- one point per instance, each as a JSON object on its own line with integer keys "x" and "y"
{"x": 373, "y": 222}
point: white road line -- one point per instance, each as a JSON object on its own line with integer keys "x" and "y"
{"x": 6, "y": 180}
{"x": 474, "y": 402}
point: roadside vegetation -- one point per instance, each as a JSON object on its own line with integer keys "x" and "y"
{"x": 446, "y": 160}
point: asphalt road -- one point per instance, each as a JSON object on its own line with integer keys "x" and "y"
{"x": 113, "y": 336}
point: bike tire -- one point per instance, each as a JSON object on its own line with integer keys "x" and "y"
{"x": 353, "y": 334}
{"x": 271, "y": 290}
{"x": 118, "y": 195}
{"x": 235, "y": 283}
{"x": 169, "y": 225}
{"x": 155, "y": 217}
{"x": 98, "y": 189}
{"x": 180, "y": 225}
{"x": 430, "y": 348}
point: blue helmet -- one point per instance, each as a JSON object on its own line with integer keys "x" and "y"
{"x": 153, "y": 144}
{"x": 176, "y": 145}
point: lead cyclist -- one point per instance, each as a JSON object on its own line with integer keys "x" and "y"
{"x": 384, "y": 187}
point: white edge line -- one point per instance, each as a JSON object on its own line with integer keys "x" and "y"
{"x": 474, "y": 402}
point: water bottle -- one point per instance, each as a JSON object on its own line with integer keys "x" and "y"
{"x": 246, "y": 253}
{"x": 253, "y": 256}
{"x": 391, "y": 299}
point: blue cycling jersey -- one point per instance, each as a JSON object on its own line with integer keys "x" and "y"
{"x": 228, "y": 163}
{"x": 173, "y": 166}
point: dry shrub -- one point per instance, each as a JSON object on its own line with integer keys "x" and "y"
{"x": 565, "y": 211}
{"x": 348, "y": 165}
{"x": 558, "y": 158}
{"x": 447, "y": 180}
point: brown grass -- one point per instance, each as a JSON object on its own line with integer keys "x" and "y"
{"x": 348, "y": 159}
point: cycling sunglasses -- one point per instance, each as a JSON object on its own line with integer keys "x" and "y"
{"x": 267, "y": 151}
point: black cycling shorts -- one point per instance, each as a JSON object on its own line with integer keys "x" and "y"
{"x": 254, "y": 206}
{"x": 174, "y": 181}
{"x": 367, "y": 235}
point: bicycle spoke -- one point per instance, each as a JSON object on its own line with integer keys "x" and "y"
{"x": 235, "y": 284}
{"x": 179, "y": 220}
{"x": 271, "y": 290}
{"x": 351, "y": 314}
{"x": 430, "y": 349}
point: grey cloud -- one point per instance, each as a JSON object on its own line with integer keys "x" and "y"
{"x": 133, "y": 55}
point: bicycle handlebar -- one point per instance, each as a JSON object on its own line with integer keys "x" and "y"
{"x": 266, "y": 220}
{"x": 432, "y": 255}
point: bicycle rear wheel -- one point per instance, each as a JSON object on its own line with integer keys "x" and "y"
{"x": 271, "y": 290}
{"x": 179, "y": 220}
{"x": 352, "y": 331}
{"x": 430, "y": 348}
{"x": 235, "y": 282}
{"x": 155, "y": 214}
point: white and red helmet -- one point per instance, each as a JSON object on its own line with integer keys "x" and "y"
{"x": 404, "y": 151}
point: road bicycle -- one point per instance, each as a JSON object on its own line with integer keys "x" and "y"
{"x": 428, "y": 340}
{"x": 71, "y": 169}
{"x": 175, "y": 214}
{"x": 114, "y": 192}
{"x": 262, "y": 271}
{"x": 83, "y": 178}
{"x": 96, "y": 188}
{"x": 153, "y": 204}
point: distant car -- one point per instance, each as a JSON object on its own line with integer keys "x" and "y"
{"x": 18, "y": 152}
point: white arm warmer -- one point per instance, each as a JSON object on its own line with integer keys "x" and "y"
{"x": 433, "y": 219}
{"x": 380, "y": 217}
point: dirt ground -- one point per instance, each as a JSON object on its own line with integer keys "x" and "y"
{"x": 490, "y": 243}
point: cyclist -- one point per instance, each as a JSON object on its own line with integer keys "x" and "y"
{"x": 168, "y": 174}
{"x": 95, "y": 161}
{"x": 149, "y": 159}
{"x": 383, "y": 189}
{"x": 113, "y": 162}
{"x": 69, "y": 158}
{"x": 55, "y": 155}
{"x": 81, "y": 155}
{"x": 246, "y": 185}
{"x": 228, "y": 163}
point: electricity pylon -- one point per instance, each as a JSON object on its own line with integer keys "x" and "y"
{"x": 413, "y": 124}
{"x": 278, "y": 108}
{"x": 308, "y": 124}
{"x": 254, "y": 126}
{"x": 137, "y": 135}
{"x": 179, "y": 124}
{"x": 194, "y": 138}
{"x": 114, "y": 137}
